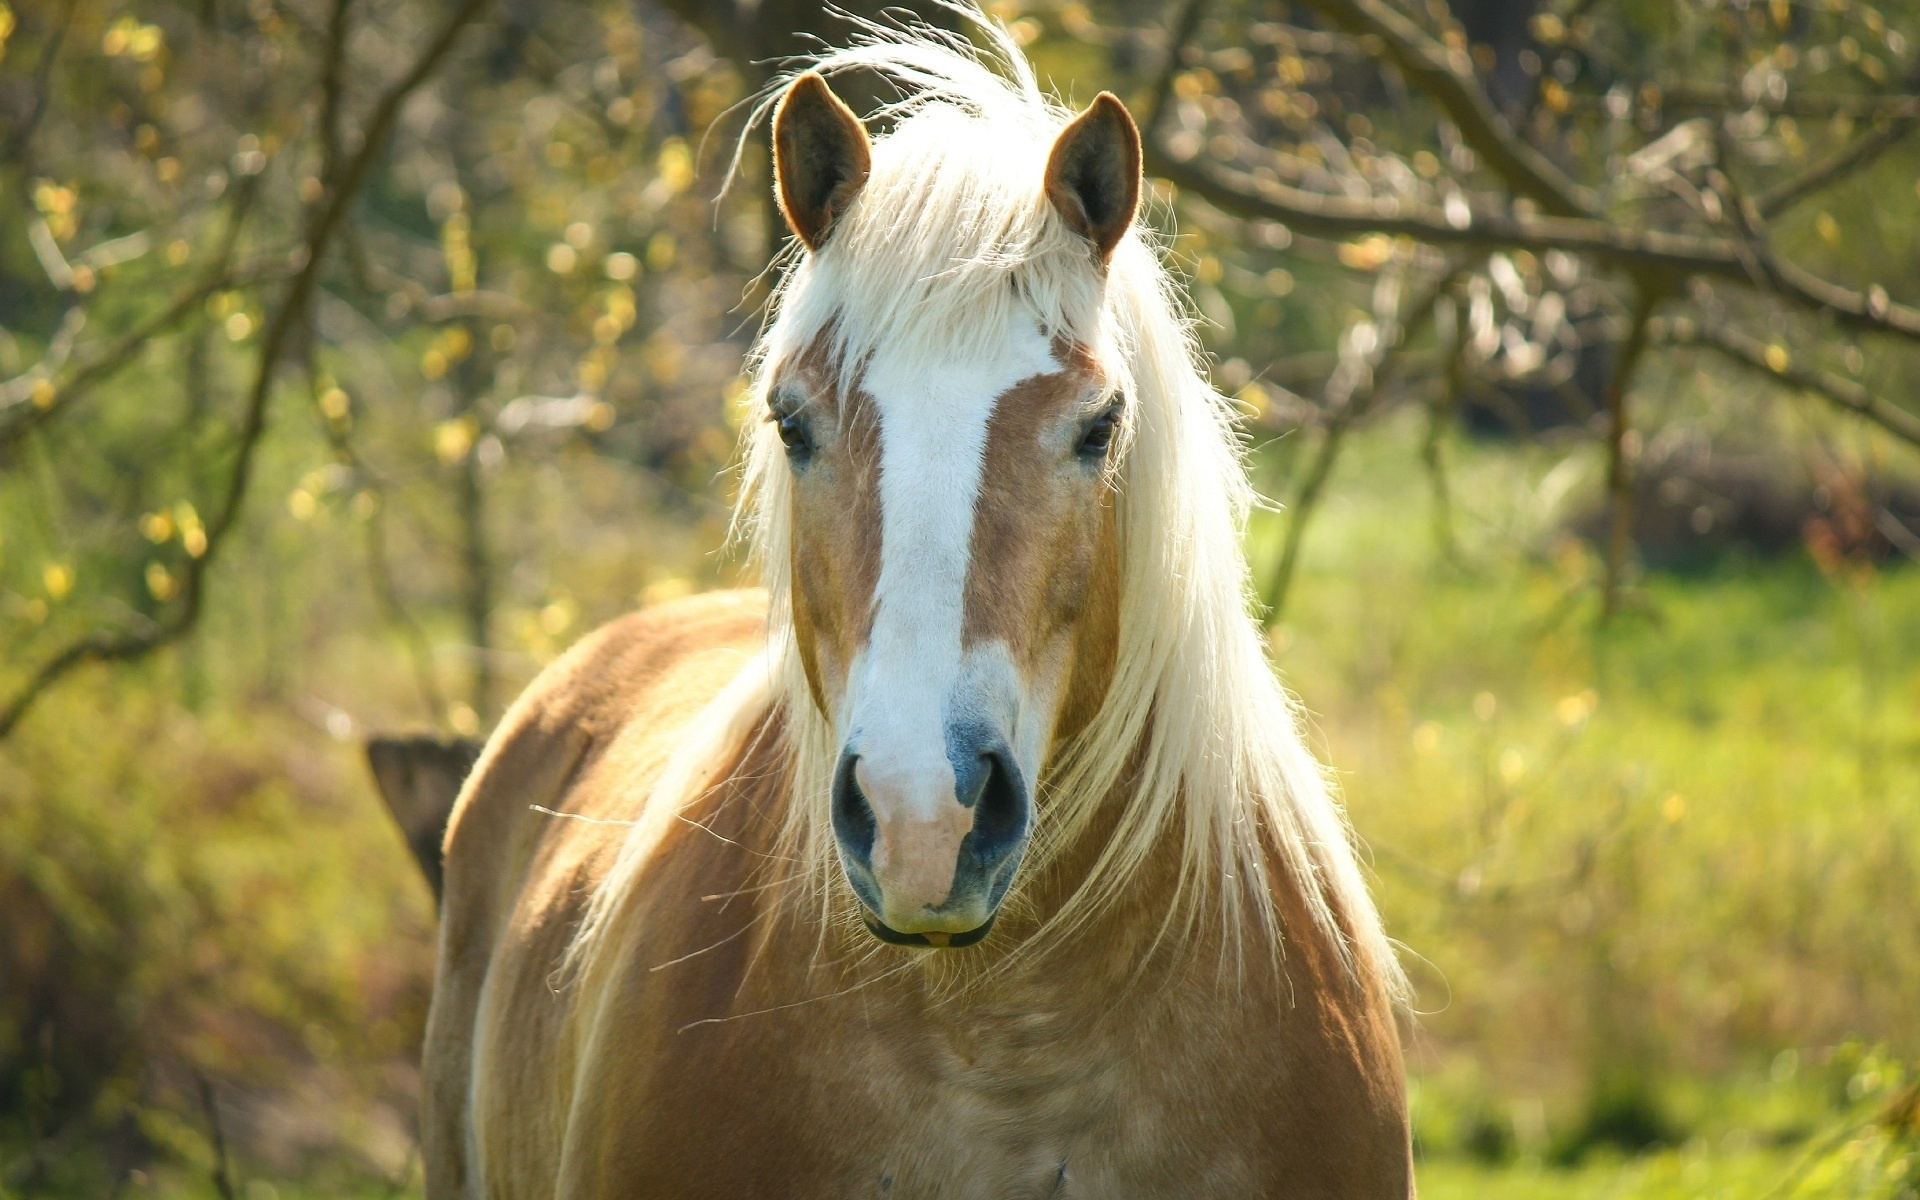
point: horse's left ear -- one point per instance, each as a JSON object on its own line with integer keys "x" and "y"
{"x": 1093, "y": 173}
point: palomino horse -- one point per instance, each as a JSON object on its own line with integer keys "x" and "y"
{"x": 979, "y": 856}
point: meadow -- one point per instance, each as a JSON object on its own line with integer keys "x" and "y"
{"x": 1654, "y": 878}
{"x": 1654, "y": 872}
{"x": 1654, "y": 881}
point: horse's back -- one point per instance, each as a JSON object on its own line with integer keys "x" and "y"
{"x": 514, "y": 872}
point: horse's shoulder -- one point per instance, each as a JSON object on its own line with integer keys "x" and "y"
{"x": 595, "y": 685}
{"x": 591, "y": 693}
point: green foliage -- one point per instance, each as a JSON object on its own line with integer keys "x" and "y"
{"x": 1867, "y": 1148}
{"x": 534, "y": 308}
{"x": 1679, "y": 841}
{"x": 211, "y": 897}
{"x": 1626, "y": 864}
{"x": 1656, "y": 882}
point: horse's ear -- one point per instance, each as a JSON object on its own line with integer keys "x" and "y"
{"x": 1093, "y": 173}
{"x": 820, "y": 158}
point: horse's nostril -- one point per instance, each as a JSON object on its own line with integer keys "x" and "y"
{"x": 999, "y": 806}
{"x": 853, "y": 821}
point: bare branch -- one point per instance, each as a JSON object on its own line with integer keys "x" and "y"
{"x": 19, "y": 142}
{"x": 1350, "y": 393}
{"x": 386, "y": 592}
{"x": 1181, "y": 32}
{"x": 1441, "y": 414}
{"x": 333, "y": 88}
{"x": 19, "y": 414}
{"x": 1247, "y": 196}
{"x": 1859, "y": 155}
{"x": 1647, "y": 296}
{"x": 111, "y": 646}
{"x": 217, "y": 1135}
{"x": 1446, "y": 74}
{"x": 1695, "y": 97}
{"x": 1776, "y": 364}
{"x": 22, "y": 410}
{"x": 1641, "y": 250}
{"x": 1872, "y": 309}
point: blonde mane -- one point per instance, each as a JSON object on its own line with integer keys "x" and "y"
{"x": 951, "y": 229}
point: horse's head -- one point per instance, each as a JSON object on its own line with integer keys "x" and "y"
{"x": 953, "y": 562}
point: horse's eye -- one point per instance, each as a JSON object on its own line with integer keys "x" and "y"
{"x": 793, "y": 435}
{"x": 1098, "y": 438}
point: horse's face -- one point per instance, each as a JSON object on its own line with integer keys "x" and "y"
{"x": 954, "y": 563}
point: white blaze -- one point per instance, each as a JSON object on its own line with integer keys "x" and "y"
{"x": 933, "y": 414}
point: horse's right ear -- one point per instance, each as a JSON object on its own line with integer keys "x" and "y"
{"x": 821, "y": 157}
{"x": 1093, "y": 173}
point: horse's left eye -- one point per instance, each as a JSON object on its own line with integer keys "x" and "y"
{"x": 1098, "y": 438}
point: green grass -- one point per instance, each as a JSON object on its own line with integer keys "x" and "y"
{"x": 1654, "y": 879}
{"x": 1656, "y": 883}
{"x": 1869, "y": 1166}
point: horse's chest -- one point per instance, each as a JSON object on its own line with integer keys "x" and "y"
{"x": 871, "y": 1094}
{"x": 1042, "y": 1103}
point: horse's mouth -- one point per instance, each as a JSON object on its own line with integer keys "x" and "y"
{"x": 937, "y": 941}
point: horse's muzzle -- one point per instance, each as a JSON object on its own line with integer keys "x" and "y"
{"x": 933, "y": 873}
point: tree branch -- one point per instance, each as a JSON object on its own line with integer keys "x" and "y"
{"x": 1648, "y": 293}
{"x": 333, "y": 88}
{"x": 1844, "y": 162}
{"x": 1642, "y": 250}
{"x": 1181, "y": 32}
{"x": 20, "y": 415}
{"x": 1441, "y": 415}
{"x": 386, "y": 592}
{"x": 1774, "y": 363}
{"x": 1446, "y": 74}
{"x": 1693, "y": 97}
{"x": 222, "y": 1168}
{"x": 1354, "y": 385}
{"x": 21, "y": 412}
{"x": 110, "y": 646}
{"x": 19, "y": 142}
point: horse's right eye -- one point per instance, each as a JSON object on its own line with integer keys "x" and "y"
{"x": 793, "y": 435}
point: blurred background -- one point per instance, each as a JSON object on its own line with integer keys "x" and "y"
{"x": 356, "y": 356}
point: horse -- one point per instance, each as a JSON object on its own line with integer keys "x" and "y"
{"x": 978, "y": 853}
